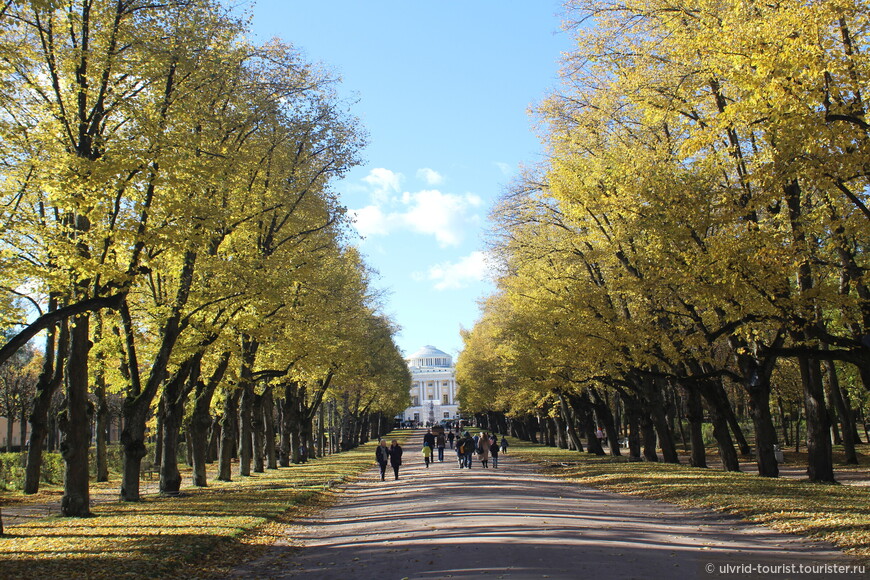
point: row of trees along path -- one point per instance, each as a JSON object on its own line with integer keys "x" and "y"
{"x": 169, "y": 227}
{"x": 694, "y": 248}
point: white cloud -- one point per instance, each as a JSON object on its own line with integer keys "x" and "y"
{"x": 384, "y": 182}
{"x": 370, "y": 221}
{"x": 445, "y": 216}
{"x": 448, "y": 276}
{"x": 505, "y": 168}
{"x": 430, "y": 176}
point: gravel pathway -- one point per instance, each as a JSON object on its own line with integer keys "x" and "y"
{"x": 513, "y": 523}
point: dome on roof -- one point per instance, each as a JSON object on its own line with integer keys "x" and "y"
{"x": 428, "y": 350}
{"x": 429, "y": 356}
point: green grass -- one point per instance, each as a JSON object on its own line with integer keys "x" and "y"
{"x": 202, "y": 533}
{"x": 839, "y": 514}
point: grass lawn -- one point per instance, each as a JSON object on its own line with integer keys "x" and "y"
{"x": 839, "y": 514}
{"x": 202, "y": 533}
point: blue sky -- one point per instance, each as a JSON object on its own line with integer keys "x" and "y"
{"x": 443, "y": 90}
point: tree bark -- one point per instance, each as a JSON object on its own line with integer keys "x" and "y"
{"x": 571, "y": 420}
{"x": 727, "y": 454}
{"x": 845, "y": 413}
{"x": 695, "y": 415}
{"x": 820, "y": 466}
{"x": 49, "y": 380}
{"x": 75, "y": 423}
{"x": 201, "y": 420}
{"x": 605, "y": 418}
{"x": 173, "y": 400}
{"x": 269, "y": 429}
{"x": 257, "y": 427}
{"x": 246, "y": 386}
{"x": 660, "y": 423}
{"x": 765, "y": 433}
{"x": 228, "y": 435}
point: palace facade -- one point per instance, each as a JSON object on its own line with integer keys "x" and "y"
{"x": 433, "y": 387}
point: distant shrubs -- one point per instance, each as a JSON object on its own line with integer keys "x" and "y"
{"x": 12, "y": 470}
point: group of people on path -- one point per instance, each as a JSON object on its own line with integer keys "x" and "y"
{"x": 484, "y": 445}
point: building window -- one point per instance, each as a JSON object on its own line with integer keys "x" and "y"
{"x": 446, "y": 415}
{"x": 415, "y": 401}
{"x": 446, "y": 399}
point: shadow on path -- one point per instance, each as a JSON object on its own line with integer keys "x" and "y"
{"x": 511, "y": 522}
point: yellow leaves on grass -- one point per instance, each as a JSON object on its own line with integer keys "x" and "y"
{"x": 203, "y": 531}
{"x": 838, "y": 514}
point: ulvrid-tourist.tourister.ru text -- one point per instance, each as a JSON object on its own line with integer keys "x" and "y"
{"x": 785, "y": 569}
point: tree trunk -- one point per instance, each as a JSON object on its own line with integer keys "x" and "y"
{"x": 257, "y": 426}
{"x": 292, "y": 424}
{"x": 820, "y": 466}
{"x": 158, "y": 436}
{"x": 284, "y": 435}
{"x": 846, "y": 417}
{"x": 660, "y": 424}
{"x": 648, "y": 434}
{"x": 571, "y": 420}
{"x": 10, "y": 428}
{"x": 76, "y": 423}
{"x": 784, "y": 420}
{"x": 531, "y": 425}
{"x": 228, "y": 435}
{"x": 214, "y": 439}
{"x": 269, "y": 429}
{"x": 201, "y": 420}
{"x": 695, "y": 415}
{"x": 605, "y": 418}
{"x": 560, "y": 429}
{"x": 765, "y": 433}
{"x": 173, "y": 401}
{"x": 246, "y": 385}
{"x": 720, "y": 426}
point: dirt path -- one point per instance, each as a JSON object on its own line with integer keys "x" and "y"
{"x": 511, "y": 522}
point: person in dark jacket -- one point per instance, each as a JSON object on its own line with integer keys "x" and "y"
{"x": 396, "y": 457}
{"x": 441, "y": 442}
{"x": 429, "y": 439}
{"x": 469, "y": 447}
{"x": 382, "y": 456}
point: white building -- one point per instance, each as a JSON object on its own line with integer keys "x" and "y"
{"x": 433, "y": 387}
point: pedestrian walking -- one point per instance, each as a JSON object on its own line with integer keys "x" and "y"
{"x": 493, "y": 450}
{"x": 396, "y": 457}
{"x": 427, "y": 455}
{"x": 429, "y": 439}
{"x": 441, "y": 442}
{"x": 382, "y": 456}
{"x": 504, "y": 444}
{"x": 483, "y": 450}
{"x": 450, "y": 437}
{"x": 469, "y": 446}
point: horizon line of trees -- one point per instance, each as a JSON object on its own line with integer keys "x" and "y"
{"x": 166, "y": 211}
{"x": 697, "y": 236}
